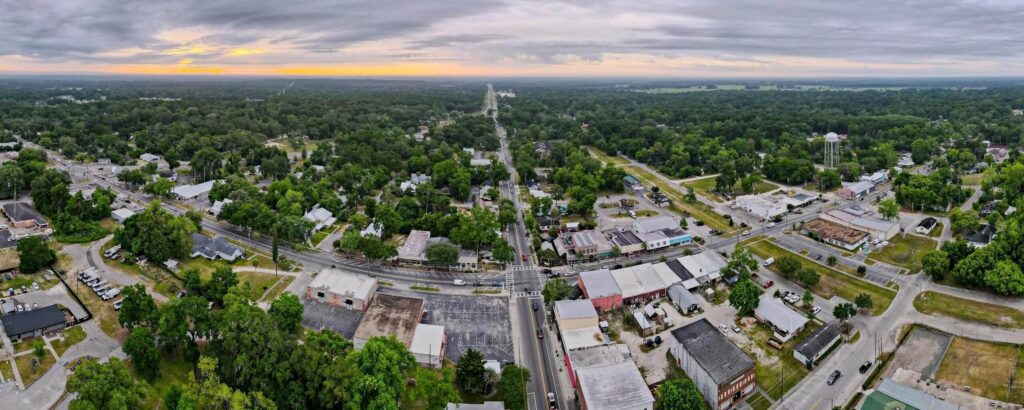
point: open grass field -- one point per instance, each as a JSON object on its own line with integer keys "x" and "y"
{"x": 9, "y": 258}
{"x": 971, "y": 180}
{"x": 679, "y": 203}
{"x": 983, "y": 366}
{"x": 905, "y": 251}
{"x": 278, "y": 287}
{"x": 72, "y": 336}
{"x": 1017, "y": 390}
{"x": 770, "y": 365}
{"x": 258, "y": 282}
{"x": 103, "y": 313}
{"x": 936, "y": 231}
{"x": 608, "y": 159}
{"x": 6, "y": 371}
{"x": 706, "y": 188}
{"x": 833, "y": 282}
{"x": 30, "y": 375}
{"x": 941, "y": 304}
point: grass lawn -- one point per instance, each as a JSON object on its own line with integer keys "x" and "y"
{"x": 9, "y": 258}
{"x": 162, "y": 282}
{"x": 319, "y": 236}
{"x": 616, "y": 160}
{"x": 936, "y": 231}
{"x": 72, "y": 336}
{"x": 6, "y": 371}
{"x": 706, "y": 187}
{"x": 757, "y": 401}
{"x": 28, "y": 375}
{"x": 1017, "y": 392}
{"x": 984, "y": 366}
{"x": 26, "y": 281}
{"x": 278, "y": 287}
{"x": 941, "y": 304}
{"x": 774, "y": 364}
{"x": 696, "y": 209}
{"x": 259, "y": 281}
{"x": 972, "y": 179}
{"x": 833, "y": 282}
{"x": 173, "y": 370}
{"x": 905, "y": 251}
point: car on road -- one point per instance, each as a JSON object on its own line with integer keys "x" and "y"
{"x": 865, "y": 366}
{"x": 459, "y": 282}
{"x": 540, "y": 333}
{"x": 816, "y": 256}
{"x": 535, "y": 306}
{"x": 551, "y": 401}
{"x": 524, "y": 257}
{"x": 724, "y": 327}
{"x": 735, "y": 329}
{"x": 546, "y": 271}
{"x": 833, "y": 377}
{"x": 815, "y": 310}
{"x": 771, "y": 224}
{"x": 747, "y": 232}
{"x": 2, "y": 226}
{"x": 714, "y": 232}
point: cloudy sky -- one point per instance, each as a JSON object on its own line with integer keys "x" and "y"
{"x": 681, "y": 38}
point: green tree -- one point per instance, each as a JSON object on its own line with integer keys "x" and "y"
{"x": 832, "y": 260}
{"x": 141, "y": 347}
{"x": 222, "y": 279}
{"x": 828, "y": 179}
{"x": 935, "y": 263}
{"x": 50, "y": 192}
{"x": 678, "y": 394}
{"x": 442, "y": 254}
{"x": 863, "y": 301}
{"x": 1006, "y": 278}
{"x": 844, "y": 311}
{"x": 889, "y": 209}
{"x": 556, "y": 289}
{"x": 964, "y": 222}
{"x": 161, "y": 187}
{"x": 157, "y": 234}
{"x": 808, "y": 277}
{"x": 205, "y": 164}
{"x": 12, "y": 180}
{"x": 470, "y": 372}
{"x": 34, "y": 254}
{"x": 104, "y": 386}
{"x": 193, "y": 282}
{"x": 206, "y": 392}
{"x": 745, "y": 297}
{"x": 434, "y": 388}
{"x": 788, "y": 266}
{"x": 513, "y": 386}
{"x": 741, "y": 264}
{"x": 137, "y": 307}
{"x": 382, "y": 364}
{"x": 807, "y": 298}
{"x": 286, "y": 312}
{"x": 502, "y": 251}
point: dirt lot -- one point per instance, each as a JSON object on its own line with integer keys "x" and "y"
{"x": 921, "y": 352}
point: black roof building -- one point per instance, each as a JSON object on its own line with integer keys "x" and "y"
{"x": 20, "y": 212}
{"x": 984, "y": 235}
{"x": 716, "y": 354}
{"x": 33, "y": 322}
{"x": 679, "y": 270}
{"x": 927, "y": 223}
{"x": 624, "y": 238}
{"x": 818, "y": 341}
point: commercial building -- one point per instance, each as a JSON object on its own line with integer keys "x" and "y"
{"x": 639, "y": 283}
{"x": 785, "y": 322}
{"x": 657, "y": 223}
{"x": 627, "y": 241}
{"x": 188, "y": 192}
{"x": 876, "y": 178}
{"x": 601, "y": 289}
{"x": 415, "y": 247}
{"x": 721, "y": 371}
{"x": 583, "y": 337}
{"x": 348, "y": 290}
{"x": 389, "y": 315}
{"x": 835, "y": 234}
{"x": 122, "y": 214}
{"x": 33, "y": 323}
{"x": 700, "y": 268}
{"x": 213, "y": 248}
{"x": 618, "y": 386}
{"x": 149, "y": 157}
{"x": 855, "y": 190}
{"x": 684, "y": 300}
{"x": 590, "y": 243}
{"x": 891, "y": 395}
{"x": 595, "y": 356}
{"x": 816, "y": 344}
{"x": 320, "y": 217}
{"x": 633, "y": 184}
{"x": 428, "y": 345}
{"x": 575, "y": 314}
{"x": 23, "y": 215}
{"x": 859, "y": 219}
{"x": 761, "y": 207}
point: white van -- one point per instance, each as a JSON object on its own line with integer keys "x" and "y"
{"x": 111, "y": 293}
{"x": 768, "y": 262}
{"x": 459, "y": 282}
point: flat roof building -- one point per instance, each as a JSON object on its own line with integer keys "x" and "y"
{"x": 428, "y": 345}
{"x": 703, "y": 267}
{"x": 835, "y": 234}
{"x": 639, "y": 283}
{"x": 122, "y": 214}
{"x": 721, "y": 371}
{"x": 415, "y": 247}
{"x": 187, "y": 192}
{"x": 349, "y": 290}
{"x": 583, "y": 337}
{"x": 618, "y": 386}
{"x": 389, "y": 315}
{"x": 33, "y": 323}
{"x": 858, "y": 218}
{"x": 856, "y": 190}
{"x": 645, "y": 225}
{"x": 575, "y": 314}
{"x": 626, "y": 241}
{"x": 761, "y": 207}
{"x": 601, "y": 289}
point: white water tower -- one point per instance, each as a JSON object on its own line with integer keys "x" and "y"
{"x": 831, "y": 150}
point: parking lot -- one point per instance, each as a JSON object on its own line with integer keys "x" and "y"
{"x": 606, "y": 218}
{"x": 879, "y": 273}
{"x": 476, "y": 322}
{"x": 922, "y": 352}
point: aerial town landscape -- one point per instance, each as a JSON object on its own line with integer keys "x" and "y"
{"x": 484, "y": 237}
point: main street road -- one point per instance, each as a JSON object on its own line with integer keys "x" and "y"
{"x": 525, "y": 286}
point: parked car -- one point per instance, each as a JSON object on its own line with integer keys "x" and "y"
{"x": 833, "y": 377}
{"x": 735, "y": 329}
{"x": 546, "y": 271}
{"x": 496, "y": 283}
{"x": 865, "y": 366}
{"x": 2, "y": 226}
{"x": 815, "y": 310}
{"x": 768, "y": 262}
{"x": 535, "y": 306}
{"x": 723, "y": 327}
{"x": 35, "y": 286}
{"x": 459, "y": 282}
{"x": 110, "y": 294}
{"x": 551, "y": 401}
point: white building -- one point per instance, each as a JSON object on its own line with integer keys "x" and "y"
{"x": 120, "y": 215}
{"x": 348, "y": 290}
{"x": 320, "y": 216}
{"x": 702, "y": 268}
{"x": 645, "y": 225}
{"x": 760, "y": 207}
{"x": 428, "y": 344}
{"x": 859, "y": 219}
{"x": 188, "y": 192}
{"x": 785, "y": 322}
{"x": 415, "y": 247}
{"x": 374, "y": 229}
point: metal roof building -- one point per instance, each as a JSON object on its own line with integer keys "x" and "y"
{"x": 723, "y": 373}
{"x": 618, "y": 386}
{"x": 785, "y": 321}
